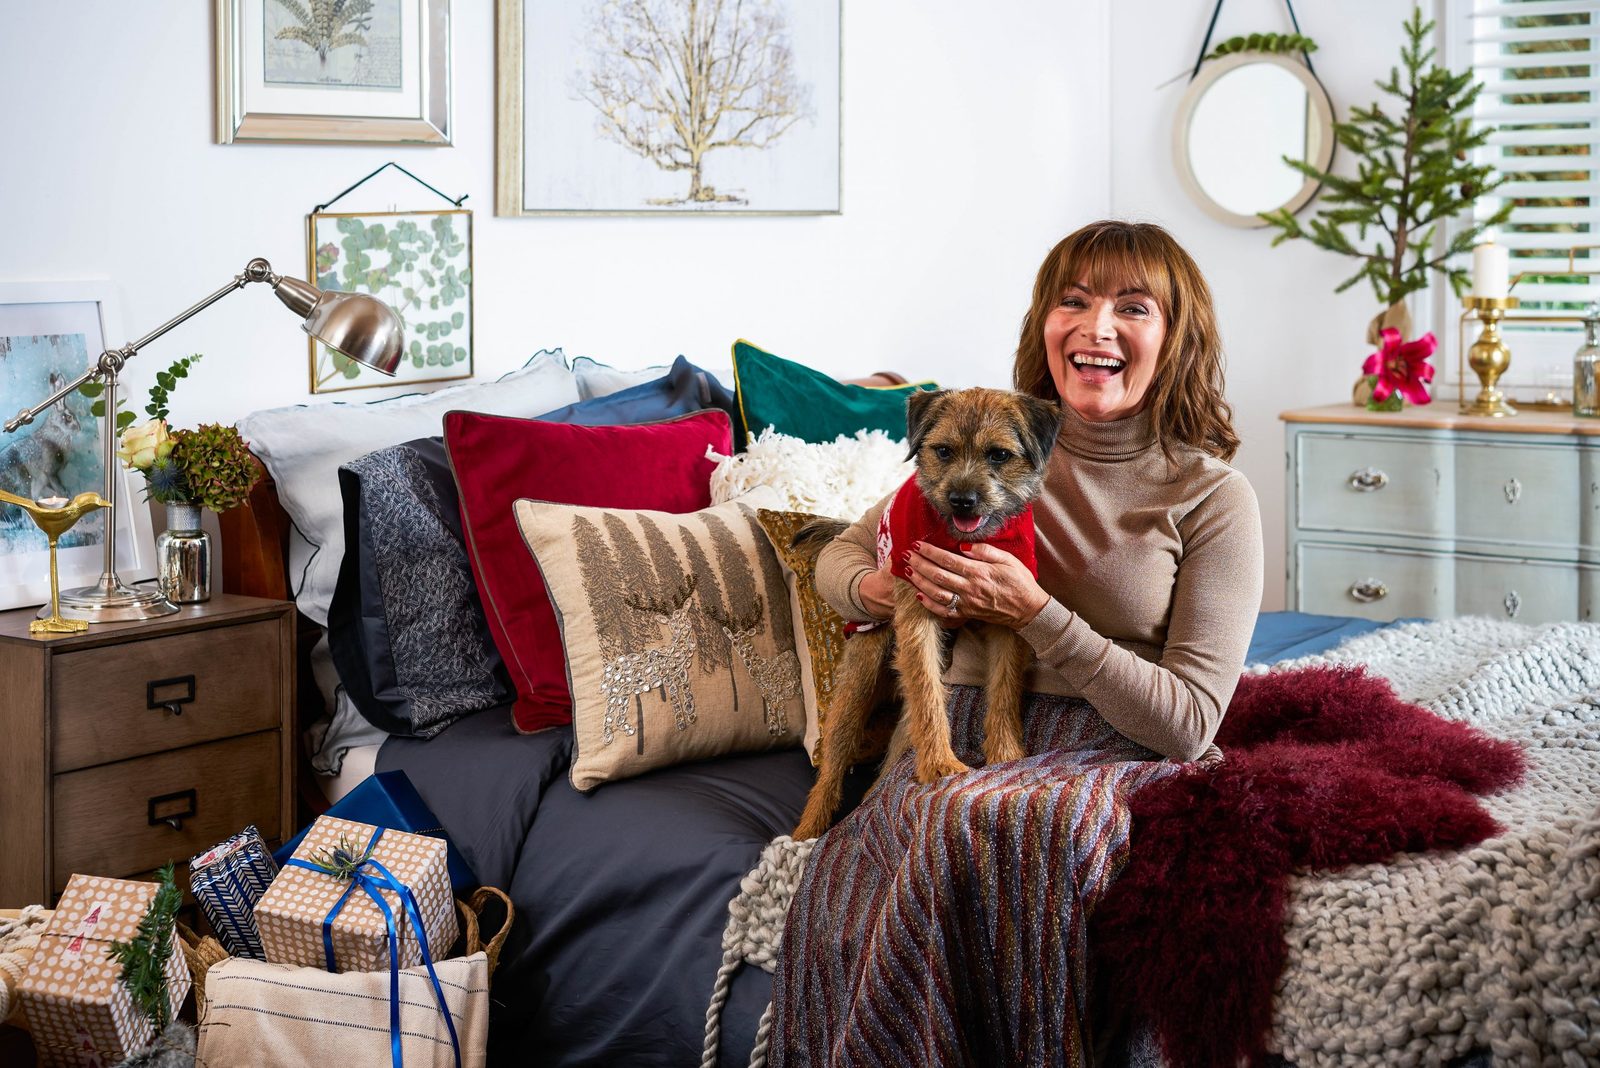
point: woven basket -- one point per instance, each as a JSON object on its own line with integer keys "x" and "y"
{"x": 201, "y": 953}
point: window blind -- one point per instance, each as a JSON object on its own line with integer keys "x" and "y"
{"x": 1539, "y": 62}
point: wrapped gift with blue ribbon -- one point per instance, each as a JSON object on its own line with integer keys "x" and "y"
{"x": 388, "y": 799}
{"x": 227, "y": 880}
{"x": 358, "y": 898}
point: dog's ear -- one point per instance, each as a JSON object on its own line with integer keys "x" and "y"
{"x": 1041, "y": 422}
{"x": 921, "y": 407}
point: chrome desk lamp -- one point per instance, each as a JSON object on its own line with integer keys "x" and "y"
{"x": 357, "y": 325}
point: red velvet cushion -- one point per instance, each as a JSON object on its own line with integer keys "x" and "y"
{"x": 496, "y": 459}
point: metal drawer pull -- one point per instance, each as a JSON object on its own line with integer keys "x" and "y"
{"x": 164, "y": 810}
{"x": 1513, "y": 491}
{"x": 1513, "y": 604}
{"x": 171, "y": 704}
{"x": 1368, "y": 479}
{"x": 1369, "y": 591}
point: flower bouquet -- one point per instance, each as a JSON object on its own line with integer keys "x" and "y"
{"x": 209, "y": 466}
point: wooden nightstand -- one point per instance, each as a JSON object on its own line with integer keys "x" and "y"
{"x": 137, "y": 743}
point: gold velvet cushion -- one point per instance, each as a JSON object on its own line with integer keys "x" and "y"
{"x": 677, "y": 631}
{"x": 819, "y": 630}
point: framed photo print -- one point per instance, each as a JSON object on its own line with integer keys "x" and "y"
{"x": 626, "y": 107}
{"x": 333, "y": 70}
{"x": 50, "y": 333}
{"x": 417, "y": 262}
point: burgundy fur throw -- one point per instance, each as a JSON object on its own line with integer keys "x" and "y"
{"x": 1326, "y": 767}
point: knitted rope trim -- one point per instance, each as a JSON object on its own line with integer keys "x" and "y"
{"x": 754, "y": 935}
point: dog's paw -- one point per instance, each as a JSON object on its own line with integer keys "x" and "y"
{"x": 1000, "y": 750}
{"x": 933, "y": 769}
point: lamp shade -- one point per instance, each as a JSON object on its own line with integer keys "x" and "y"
{"x": 356, "y": 325}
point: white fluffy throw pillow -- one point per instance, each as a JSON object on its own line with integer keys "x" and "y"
{"x": 840, "y": 478}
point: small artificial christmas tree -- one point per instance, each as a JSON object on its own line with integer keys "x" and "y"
{"x": 1414, "y": 171}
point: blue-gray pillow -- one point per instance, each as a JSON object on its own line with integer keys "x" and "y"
{"x": 406, "y": 626}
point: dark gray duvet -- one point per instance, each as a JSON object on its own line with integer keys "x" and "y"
{"x": 621, "y": 894}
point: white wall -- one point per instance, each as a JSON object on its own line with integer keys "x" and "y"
{"x": 963, "y": 145}
{"x": 1290, "y": 341}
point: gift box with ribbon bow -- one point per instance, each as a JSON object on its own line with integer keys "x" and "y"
{"x": 359, "y": 898}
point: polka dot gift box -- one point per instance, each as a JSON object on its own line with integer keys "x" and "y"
{"x": 78, "y": 1010}
{"x": 308, "y": 913}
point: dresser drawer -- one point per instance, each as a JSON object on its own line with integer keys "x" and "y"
{"x": 112, "y": 703}
{"x": 1373, "y": 485}
{"x": 1512, "y": 494}
{"x": 1375, "y": 584}
{"x": 103, "y": 815}
{"x": 1522, "y": 590}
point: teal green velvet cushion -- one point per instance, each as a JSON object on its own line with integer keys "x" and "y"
{"x": 807, "y": 404}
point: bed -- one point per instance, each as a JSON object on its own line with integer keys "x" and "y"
{"x": 623, "y": 893}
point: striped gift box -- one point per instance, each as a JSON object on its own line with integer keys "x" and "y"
{"x": 227, "y": 881}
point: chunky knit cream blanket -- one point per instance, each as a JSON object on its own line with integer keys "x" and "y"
{"x": 1497, "y": 947}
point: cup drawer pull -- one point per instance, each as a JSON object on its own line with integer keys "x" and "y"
{"x": 1368, "y": 479}
{"x": 173, "y": 809}
{"x": 173, "y": 704}
{"x": 1369, "y": 591}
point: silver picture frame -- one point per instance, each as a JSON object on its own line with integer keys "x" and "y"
{"x": 383, "y": 77}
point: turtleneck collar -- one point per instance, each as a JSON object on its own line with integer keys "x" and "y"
{"x": 1120, "y": 439}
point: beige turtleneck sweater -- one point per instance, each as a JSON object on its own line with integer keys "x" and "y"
{"x": 1154, "y": 572}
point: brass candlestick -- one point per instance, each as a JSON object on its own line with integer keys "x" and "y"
{"x": 1489, "y": 356}
{"x": 55, "y": 520}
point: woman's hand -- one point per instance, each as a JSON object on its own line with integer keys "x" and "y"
{"x": 993, "y": 586}
{"x": 877, "y": 592}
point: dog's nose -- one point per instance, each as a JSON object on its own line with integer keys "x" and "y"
{"x": 963, "y": 501}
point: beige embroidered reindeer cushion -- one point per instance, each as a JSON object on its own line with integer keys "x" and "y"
{"x": 677, "y": 629}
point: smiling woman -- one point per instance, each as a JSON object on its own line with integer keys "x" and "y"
{"x": 1149, "y": 581}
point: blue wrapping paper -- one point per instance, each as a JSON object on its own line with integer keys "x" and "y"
{"x": 227, "y": 880}
{"x": 387, "y": 799}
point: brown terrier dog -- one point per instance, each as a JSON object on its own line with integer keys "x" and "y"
{"x": 981, "y": 456}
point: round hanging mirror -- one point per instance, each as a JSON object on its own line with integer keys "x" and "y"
{"x": 1241, "y": 115}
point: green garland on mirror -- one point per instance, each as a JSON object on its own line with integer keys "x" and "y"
{"x": 1412, "y": 173}
{"x": 1276, "y": 43}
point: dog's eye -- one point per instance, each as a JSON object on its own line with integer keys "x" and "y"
{"x": 999, "y": 456}
{"x": 943, "y": 452}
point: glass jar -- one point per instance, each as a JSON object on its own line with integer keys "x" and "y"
{"x": 1586, "y": 362}
{"x": 183, "y": 557}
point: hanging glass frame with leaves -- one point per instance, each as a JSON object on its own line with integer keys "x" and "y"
{"x": 417, "y": 262}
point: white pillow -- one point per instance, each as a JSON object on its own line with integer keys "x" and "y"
{"x": 596, "y": 379}
{"x": 840, "y": 478}
{"x": 303, "y": 446}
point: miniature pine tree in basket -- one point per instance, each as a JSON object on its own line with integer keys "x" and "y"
{"x": 1413, "y": 172}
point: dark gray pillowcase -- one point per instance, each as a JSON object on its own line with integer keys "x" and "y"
{"x": 406, "y": 626}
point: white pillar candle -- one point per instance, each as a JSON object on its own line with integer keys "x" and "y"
{"x": 1491, "y": 270}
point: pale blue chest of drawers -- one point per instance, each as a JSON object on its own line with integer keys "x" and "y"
{"x": 1430, "y": 513}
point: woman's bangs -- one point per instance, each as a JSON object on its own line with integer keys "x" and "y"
{"x": 1109, "y": 262}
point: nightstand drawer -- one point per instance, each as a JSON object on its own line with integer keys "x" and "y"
{"x": 120, "y": 701}
{"x": 103, "y": 815}
{"x": 1517, "y": 495}
{"x": 1379, "y": 486}
{"x": 1372, "y": 583}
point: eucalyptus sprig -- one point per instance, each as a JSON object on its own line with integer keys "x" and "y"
{"x": 144, "y": 960}
{"x": 160, "y": 394}
{"x": 1276, "y": 43}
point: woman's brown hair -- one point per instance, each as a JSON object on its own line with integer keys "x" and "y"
{"x": 1185, "y": 399}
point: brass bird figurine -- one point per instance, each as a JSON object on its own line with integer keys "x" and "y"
{"x": 56, "y": 522}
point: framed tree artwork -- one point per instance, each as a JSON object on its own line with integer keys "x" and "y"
{"x": 626, "y": 107}
{"x": 50, "y": 333}
{"x": 358, "y": 71}
{"x": 417, "y": 262}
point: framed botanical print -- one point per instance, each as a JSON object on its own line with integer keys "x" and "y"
{"x": 626, "y": 107}
{"x": 50, "y": 333}
{"x": 417, "y": 262}
{"x": 360, "y": 71}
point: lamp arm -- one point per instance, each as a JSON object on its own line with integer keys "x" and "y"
{"x": 111, "y": 360}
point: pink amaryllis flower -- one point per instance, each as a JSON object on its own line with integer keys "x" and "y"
{"x": 1402, "y": 367}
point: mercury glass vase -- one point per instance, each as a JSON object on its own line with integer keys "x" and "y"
{"x": 183, "y": 556}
